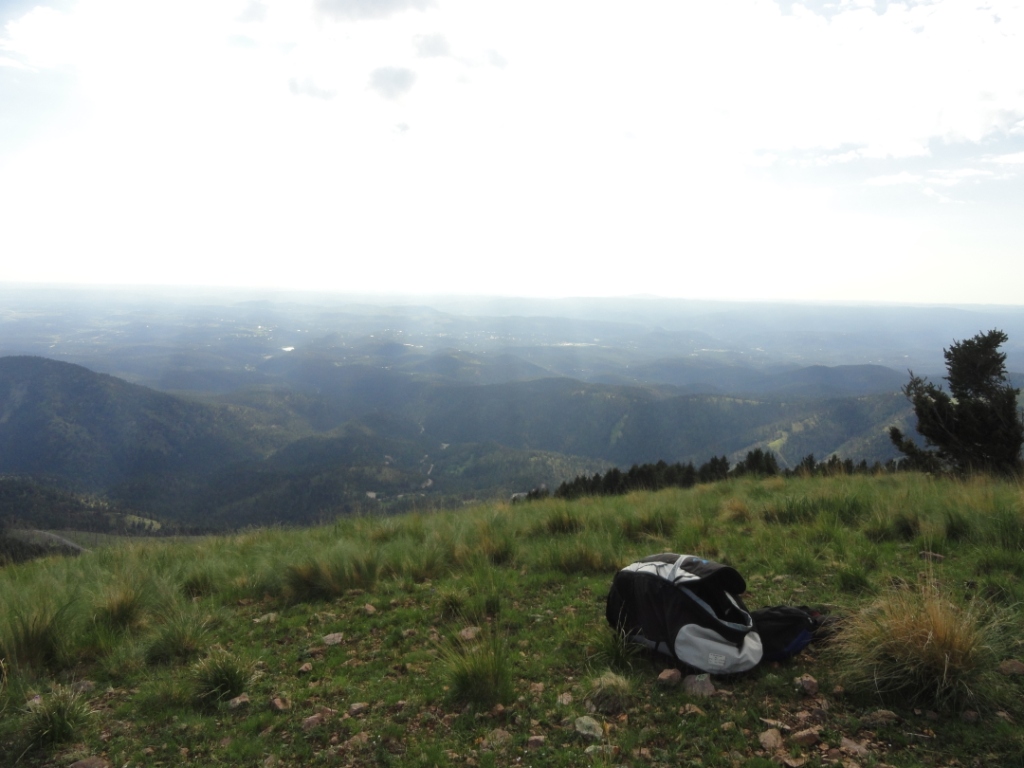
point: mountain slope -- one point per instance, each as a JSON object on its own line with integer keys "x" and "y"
{"x": 62, "y": 420}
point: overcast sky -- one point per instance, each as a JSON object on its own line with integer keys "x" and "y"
{"x": 753, "y": 149}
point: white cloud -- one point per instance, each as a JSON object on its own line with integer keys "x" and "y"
{"x": 1014, "y": 158}
{"x": 392, "y": 82}
{"x": 903, "y": 177}
{"x": 369, "y": 9}
{"x": 560, "y": 134}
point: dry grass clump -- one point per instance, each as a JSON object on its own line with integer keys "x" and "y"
{"x": 918, "y": 646}
{"x": 610, "y": 693}
{"x": 122, "y": 607}
{"x": 735, "y": 510}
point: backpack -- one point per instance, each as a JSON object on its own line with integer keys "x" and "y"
{"x": 785, "y": 630}
{"x": 687, "y": 608}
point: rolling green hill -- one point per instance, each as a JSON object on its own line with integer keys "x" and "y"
{"x": 477, "y": 636}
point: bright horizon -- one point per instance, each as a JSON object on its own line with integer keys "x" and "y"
{"x": 847, "y": 151}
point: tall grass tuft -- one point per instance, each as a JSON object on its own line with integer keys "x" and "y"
{"x": 220, "y": 676}
{"x": 479, "y": 674}
{"x": 58, "y": 718}
{"x": 4, "y": 695}
{"x": 613, "y": 649}
{"x": 38, "y": 637}
{"x": 122, "y": 607}
{"x": 560, "y": 521}
{"x": 180, "y": 636}
{"x": 344, "y": 568}
{"x": 655, "y": 523}
{"x": 918, "y": 646}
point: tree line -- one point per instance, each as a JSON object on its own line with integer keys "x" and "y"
{"x": 655, "y": 477}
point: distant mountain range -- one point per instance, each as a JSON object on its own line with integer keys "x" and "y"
{"x": 357, "y": 438}
{"x": 229, "y": 410}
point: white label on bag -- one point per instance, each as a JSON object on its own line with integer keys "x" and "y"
{"x": 716, "y": 660}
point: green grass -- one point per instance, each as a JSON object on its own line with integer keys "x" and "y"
{"x": 169, "y": 630}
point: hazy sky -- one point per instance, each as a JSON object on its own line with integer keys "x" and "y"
{"x": 855, "y": 149}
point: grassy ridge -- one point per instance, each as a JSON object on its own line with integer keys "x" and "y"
{"x": 444, "y": 616}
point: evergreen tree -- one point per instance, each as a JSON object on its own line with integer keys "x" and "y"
{"x": 976, "y": 426}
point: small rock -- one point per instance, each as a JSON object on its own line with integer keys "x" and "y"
{"x": 771, "y": 739}
{"x": 879, "y": 718}
{"x": 266, "y": 618}
{"x": 1011, "y": 667}
{"x": 497, "y": 738}
{"x": 91, "y": 762}
{"x": 565, "y": 699}
{"x": 601, "y": 749}
{"x": 728, "y": 726}
{"x": 369, "y": 610}
{"x": 970, "y": 716}
{"x": 359, "y": 708}
{"x": 806, "y": 684}
{"x": 1003, "y": 715}
{"x": 670, "y": 678}
{"x": 280, "y": 704}
{"x": 691, "y": 710}
{"x": 851, "y": 747}
{"x": 933, "y": 557}
{"x": 408, "y": 633}
{"x": 698, "y": 685}
{"x": 535, "y": 742}
{"x": 807, "y": 737}
{"x": 537, "y": 688}
{"x": 469, "y": 633}
{"x": 242, "y": 700}
{"x": 334, "y": 638}
{"x": 312, "y": 721}
{"x": 305, "y": 669}
{"x": 793, "y": 762}
{"x": 360, "y": 739}
{"x": 589, "y": 728}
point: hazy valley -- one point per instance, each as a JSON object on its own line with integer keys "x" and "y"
{"x": 224, "y": 410}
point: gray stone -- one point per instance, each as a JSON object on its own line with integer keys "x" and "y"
{"x": 239, "y": 701}
{"x": 771, "y": 739}
{"x": 334, "y": 638}
{"x": 698, "y": 685}
{"x": 589, "y": 728}
{"x": 91, "y": 762}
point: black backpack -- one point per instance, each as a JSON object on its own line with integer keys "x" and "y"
{"x": 687, "y": 608}
{"x": 785, "y": 630}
